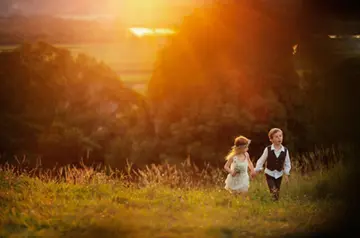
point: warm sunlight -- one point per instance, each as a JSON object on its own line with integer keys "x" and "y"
{"x": 144, "y": 12}
{"x": 152, "y": 13}
{"x": 342, "y": 36}
{"x": 140, "y": 32}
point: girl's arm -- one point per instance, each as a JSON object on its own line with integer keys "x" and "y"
{"x": 227, "y": 165}
{"x": 250, "y": 164}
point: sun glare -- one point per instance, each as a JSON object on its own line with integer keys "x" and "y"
{"x": 140, "y": 32}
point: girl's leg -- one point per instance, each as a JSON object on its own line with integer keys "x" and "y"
{"x": 232, "y": 192}
{"x": 240, "y": 193}
{"x": 245, "y": 195}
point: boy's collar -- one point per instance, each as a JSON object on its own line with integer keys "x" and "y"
{"x": 281, "y": 148}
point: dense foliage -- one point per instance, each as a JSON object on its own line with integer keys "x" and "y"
{"x": 64, "y": 108}
{"x": 220, "y": 76}
{"x": 229, "y": 71}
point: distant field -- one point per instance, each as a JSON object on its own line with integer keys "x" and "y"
{"x": 132, "y": 60}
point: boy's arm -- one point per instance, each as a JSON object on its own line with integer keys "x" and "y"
{"x": 261, "y": 161}
{"x": 287, "y": 165}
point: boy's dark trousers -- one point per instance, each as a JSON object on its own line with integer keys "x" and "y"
{"x": 274, "y": 186}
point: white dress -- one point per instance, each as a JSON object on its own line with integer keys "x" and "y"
{"x": 239, "y": 182}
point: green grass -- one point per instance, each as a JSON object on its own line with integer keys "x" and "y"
{"x": 162, "y": 201}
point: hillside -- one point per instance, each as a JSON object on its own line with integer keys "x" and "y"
{"x": 17, "y": 29}
{"x": 182, "y": 202}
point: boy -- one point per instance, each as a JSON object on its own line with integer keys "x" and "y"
{"x": 277, "y": 162}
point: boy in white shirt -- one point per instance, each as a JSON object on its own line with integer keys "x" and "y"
{"x": 277, "y": 162}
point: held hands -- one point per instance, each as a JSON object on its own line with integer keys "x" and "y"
{"x": 286, "y": 178}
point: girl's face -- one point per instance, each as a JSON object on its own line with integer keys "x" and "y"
{"x": 242, "y": 150}
{"x": 277, "y": 138}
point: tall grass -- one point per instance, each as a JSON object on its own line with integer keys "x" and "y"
{"x": 186, "y": 175}
{"x": 165, "y": 201}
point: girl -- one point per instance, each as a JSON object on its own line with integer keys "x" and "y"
{"x": 238, "y": 162}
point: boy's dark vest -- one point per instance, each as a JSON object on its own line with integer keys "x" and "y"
{"x": 273, "y": 162}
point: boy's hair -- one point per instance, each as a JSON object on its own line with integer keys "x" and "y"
{"x": 273, "y": 131}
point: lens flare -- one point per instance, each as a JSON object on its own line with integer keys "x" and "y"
{"x": 140, "y": 32}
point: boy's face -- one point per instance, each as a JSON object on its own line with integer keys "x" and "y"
{"x": 277, "y": 138}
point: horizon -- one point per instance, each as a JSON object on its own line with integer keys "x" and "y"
{"x": 132, "y": 13}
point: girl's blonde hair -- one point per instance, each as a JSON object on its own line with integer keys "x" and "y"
{"x": 240, "y": 144}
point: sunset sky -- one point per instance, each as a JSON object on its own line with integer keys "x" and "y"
{"x": 154, "y": 11}
{"x": 130, "y": 12}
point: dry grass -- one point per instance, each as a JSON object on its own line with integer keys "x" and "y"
{"x": 164, "y": 201}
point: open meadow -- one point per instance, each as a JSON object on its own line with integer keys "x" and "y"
{"x": 166, "y": 201}
{"x": 128, "y": 125}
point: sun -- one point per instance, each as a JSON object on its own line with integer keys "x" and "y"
{"x": 150, "y": 17}
{"x": 142, "y": 31}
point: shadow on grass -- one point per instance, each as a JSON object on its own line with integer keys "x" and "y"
{"x": 11, "y": 230}
{"x": 97, "y": 231}
{"x": 120, "y": 231}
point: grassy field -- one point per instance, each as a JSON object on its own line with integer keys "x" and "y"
{"x": 162, "y": 201}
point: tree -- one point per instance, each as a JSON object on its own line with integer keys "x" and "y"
{"x": 64, "y": 108}
{"x": 331, "y": 64}
{"x": 228, "y": 71}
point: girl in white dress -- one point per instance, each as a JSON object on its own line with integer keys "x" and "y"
{"x": 238, "y": 162}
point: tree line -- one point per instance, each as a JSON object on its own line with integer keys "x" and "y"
{"x": 222, "y": 75}
{"x": 16, "y": 29}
